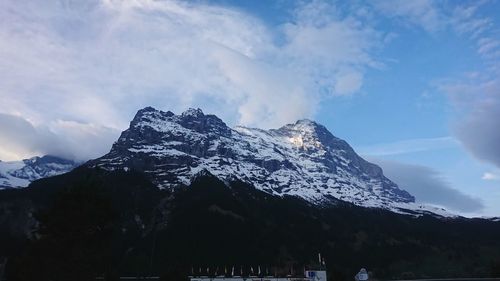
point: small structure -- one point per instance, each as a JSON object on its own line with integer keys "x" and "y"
{"x": 316, "y": 275}
{"x": 362, "y": 275}
{"x": 309, "y": 275}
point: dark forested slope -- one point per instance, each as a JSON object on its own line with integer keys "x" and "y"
{"x": 92, "y": 222}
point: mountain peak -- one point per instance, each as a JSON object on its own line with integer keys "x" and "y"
{"x": 148, "y": 114}
{"x": 147, "y": 109}
{"x": 306, "y": 122}
{"x": 194, "y": 112}
{"x": 304, "y": 126}
{"x": 308, "y": 134}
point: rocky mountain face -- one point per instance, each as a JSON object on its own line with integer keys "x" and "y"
{"x": 302, "y": 159}
{"x": 21, "y": 173}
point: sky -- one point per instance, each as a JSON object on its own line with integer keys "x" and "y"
{"x": 413, "y": 86}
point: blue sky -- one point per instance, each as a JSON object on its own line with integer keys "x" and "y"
{"x": 412, "y": 85}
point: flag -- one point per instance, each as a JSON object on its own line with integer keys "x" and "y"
{"x": 232, "y": 271}
{"x": 251, "y": 269}
{"x": 259, "y": 269}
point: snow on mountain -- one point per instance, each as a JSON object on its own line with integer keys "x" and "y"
{"x": 21, "y": 173}
{"x": 302, "y": 159}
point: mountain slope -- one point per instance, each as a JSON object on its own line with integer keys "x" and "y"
{"x": 302, "y": 159}
{"x": 20, "y": 173}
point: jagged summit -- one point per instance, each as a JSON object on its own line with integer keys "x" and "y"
{"x": 194, "y": 112}
{"x": 301, "y": 159}
{"x": 191, "y": 119}
{"x": 306, "y": 123}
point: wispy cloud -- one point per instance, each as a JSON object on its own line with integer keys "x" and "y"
{"x": 465, "y": 19}
{"x": 490, "y": 176}
{"x": 97, "y": 62}
{"x": 423, "y": 13}
{"x": 429, "y": 186}
{"x": 489, "y": 47}
{"x": 407, "y": 146}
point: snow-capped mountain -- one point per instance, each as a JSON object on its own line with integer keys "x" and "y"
{"x": 302, "y": 159}
{"x": 21, "y": 173}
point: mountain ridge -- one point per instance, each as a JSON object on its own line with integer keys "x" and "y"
{"x": 15, "y": 174}
{"x": 301, "y": 159}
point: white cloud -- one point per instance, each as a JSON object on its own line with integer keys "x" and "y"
{"x": 96, "y": 62}
{"x": 490, "y": 176}
{"x": 330, "y": 50}
{"x": 69, "y": 139}
{"x": 348, "y": 83}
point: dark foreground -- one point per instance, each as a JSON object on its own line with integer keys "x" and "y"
{"x": 91, "y": 223}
